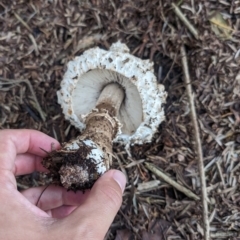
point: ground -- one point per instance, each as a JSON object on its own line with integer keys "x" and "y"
{"x": 198, "y": 37}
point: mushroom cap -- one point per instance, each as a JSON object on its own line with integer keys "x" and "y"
{"x": 142, "y": 109}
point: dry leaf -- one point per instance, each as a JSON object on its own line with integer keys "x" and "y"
{"x": 220, "y": 26}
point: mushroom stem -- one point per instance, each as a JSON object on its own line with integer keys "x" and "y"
{"x": 79, "y": 162}
{"x": 102, "y": 125}
{"x": 111, "y": 99}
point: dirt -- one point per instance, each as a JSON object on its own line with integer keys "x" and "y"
{"x": 72, "y": 169}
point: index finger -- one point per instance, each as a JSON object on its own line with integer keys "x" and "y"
{"x": 13, "y": 142}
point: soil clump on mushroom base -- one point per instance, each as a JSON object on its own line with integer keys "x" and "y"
{"x": 72, "y": 169}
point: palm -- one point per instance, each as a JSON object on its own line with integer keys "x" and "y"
{"x": 21, "y": 154}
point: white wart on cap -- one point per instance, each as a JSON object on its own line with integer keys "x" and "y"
{"x": 141, "y": 111}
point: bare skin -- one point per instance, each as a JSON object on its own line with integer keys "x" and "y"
{"x": 60, "y": 214}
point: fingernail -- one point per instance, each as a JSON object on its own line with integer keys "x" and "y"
{"x": 120, "y": 178}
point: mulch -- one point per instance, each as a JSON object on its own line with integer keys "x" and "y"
{"x": 37, "y": 40}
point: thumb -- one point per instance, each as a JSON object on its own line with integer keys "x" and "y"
{"x": 98, "y": 211}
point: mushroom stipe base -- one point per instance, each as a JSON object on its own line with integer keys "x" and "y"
{"x": 72, "y": 169}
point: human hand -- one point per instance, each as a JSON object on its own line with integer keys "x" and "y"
{"x": 61, "y": 214}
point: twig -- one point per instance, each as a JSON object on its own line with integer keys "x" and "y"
{"x": 197, "y": 142}
{"x": 121, "y": 166}
{"x": 190, "y": 27}
{"x": 31, "y": 90}
{"x": 34, "y": 43}
{"x": 21, "y": 20}
{"x": 220, "y": 174}
{"x": 224, "y": 234}
{"x": 170, "y": 181}
{"x": 22, "y": 186}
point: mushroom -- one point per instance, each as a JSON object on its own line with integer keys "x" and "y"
{"x": 110, "y": 96}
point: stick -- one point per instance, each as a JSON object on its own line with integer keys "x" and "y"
{"x": 185, "y": 20}
{"x": 23, "y": 23}
{"x": 121, "y": 166}
{"x": 168, "y": 180}
{"x": 198, "y": 144}
{"x": 221, "y": 235}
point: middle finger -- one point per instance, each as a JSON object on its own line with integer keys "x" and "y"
{"x": 27, "y": 163}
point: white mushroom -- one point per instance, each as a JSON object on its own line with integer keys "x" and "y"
{"x": 142, "y": 109}
{"x": 109, "y": 96}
